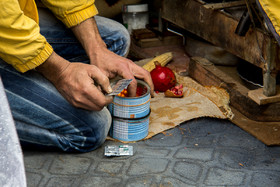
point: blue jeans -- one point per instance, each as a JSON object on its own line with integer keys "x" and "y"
{"x": 44, "y": 119}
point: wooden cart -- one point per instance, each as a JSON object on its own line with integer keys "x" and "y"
{"x": 257, "y": 47}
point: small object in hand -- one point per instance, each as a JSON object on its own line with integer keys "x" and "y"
{"x": 120, "y": 86}
{"x": 121, "y": 150}
{"x": 176, "y": 91}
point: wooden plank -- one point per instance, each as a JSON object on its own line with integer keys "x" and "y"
{"x": 267, "y": 132}
{"x": 218, "y": 28}
{"x": 216, "y": 6}
{"x": 261, "y": 99}
{"x": 155, "y": 42}
{"x": 139, "y": 34}
{"x": 210, "y": 75}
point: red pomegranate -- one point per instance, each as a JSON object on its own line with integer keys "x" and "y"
{"x": 163, "y": 78}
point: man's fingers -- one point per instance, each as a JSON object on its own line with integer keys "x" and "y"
{"x": 146, "y": 76}
{"x": 100, "y": 78}
{"x": 141, "y": 73}
{"x": 132, "y": 88}
{"x": 125, "y": 73}
{"x": 83, "y": 85}
{"x": 93, "y": 99}
{"x": 101, "y": 102}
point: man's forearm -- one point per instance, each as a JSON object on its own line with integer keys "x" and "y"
{"x": 87, "y": 33}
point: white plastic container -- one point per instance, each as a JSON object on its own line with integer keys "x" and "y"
{"x": 135, "y": 16}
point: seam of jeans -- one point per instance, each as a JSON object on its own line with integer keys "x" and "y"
{"x": 51, "y": 131}
{"x": 79, "y": 119}
{"x": 47, "y": 111}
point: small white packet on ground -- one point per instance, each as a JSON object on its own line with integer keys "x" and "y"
{"x": 118, "y": 150}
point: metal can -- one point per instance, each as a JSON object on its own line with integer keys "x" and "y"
{"x": 130, "y": 115}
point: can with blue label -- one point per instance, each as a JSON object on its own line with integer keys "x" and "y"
{"x": 130, "y": 115}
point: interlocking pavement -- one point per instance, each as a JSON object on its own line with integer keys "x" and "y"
{"x": 201, "y": 152}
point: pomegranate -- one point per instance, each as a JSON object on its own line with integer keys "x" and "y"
{"x": 163, "y": 78}
{"x": 176, "y": 91}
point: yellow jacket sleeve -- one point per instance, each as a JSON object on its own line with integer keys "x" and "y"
{"x": 21, "y": 43}
{"x": 270, "y": 9}
{"x": 72, "y": 12}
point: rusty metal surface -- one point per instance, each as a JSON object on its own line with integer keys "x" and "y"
{"x": 218, "y": 28}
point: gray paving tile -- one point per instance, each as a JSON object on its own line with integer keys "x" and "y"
{"x": 271, "y": 179}
{"x": 100, "y": 181}
{"x": 224, "y": 177}
{"x": 144, "y": 166}
{"x": 195, "y": 153}
{"x": 145, "y": 181}
{"x": 60, "y": 181}
{"x": 69, "y": 165}
{"x": 201, "y": 152}
{"x": 188, "y": 170}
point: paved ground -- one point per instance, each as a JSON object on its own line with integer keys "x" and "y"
{"x": 201, "y": 152}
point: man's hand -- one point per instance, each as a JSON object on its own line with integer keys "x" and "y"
{"x": 81, "y": 84}
{"x": 113, "y": 65}
{"x": 109, "y": 63}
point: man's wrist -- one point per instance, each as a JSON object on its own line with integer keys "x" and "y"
{"x": 53, "y": 67}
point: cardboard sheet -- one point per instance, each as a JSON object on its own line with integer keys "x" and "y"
{"x": 198, "y": 101}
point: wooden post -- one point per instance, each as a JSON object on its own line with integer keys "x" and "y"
{"x": 269, "y": 70}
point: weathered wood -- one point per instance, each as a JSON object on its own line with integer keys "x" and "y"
{"x": 216, "y": 6}
{"x": 210, "y": 75}
{"x": 139, "y": 34}
{"x": 269, "y": 75}
{"x": 154, "y": 42}
{"x": 267, "y": 132}
{"x": 261, "y": 99}
{"x": 218, "y": 28}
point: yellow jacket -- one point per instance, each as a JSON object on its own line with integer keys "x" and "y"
{"x": 271, "y": 12}
{"x": 21, "y": 43}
